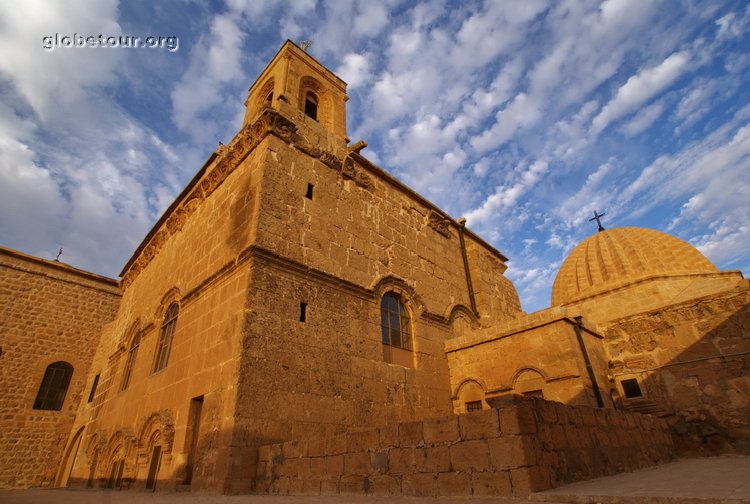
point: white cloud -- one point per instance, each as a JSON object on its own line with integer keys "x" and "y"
{"x": 643, "y": 119}
{"x": 520, "y": 113}
{"x": 506, "y": 196}
{"x": 355, "y": 70}
{"x": 51, "y": 80}
{"x": 640, "y": 88}
{"x": 214, "y": 62}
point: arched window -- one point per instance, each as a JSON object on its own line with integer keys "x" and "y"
{"x": 165, "y": 337}
{"x": 394, "y": 322}
{"x": 51, "y": 395}
{"x": 311, "y": 105}
{"x": 132, "y": 353}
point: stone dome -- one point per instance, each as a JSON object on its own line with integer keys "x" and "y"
{"x": 621, "y": 256}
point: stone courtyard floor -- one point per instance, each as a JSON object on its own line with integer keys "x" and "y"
{"x": 718, "y": 480}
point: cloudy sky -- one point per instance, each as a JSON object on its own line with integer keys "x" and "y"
{"x": 524, "y": 116}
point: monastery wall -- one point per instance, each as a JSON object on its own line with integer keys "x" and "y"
{"x": 651, "y": 293}
{"x": 362, "y": 226}
{"x": 50, "y": 312}
{"x": 521, "y": 445}
{"x": 536, "y": 354}
{"x": 336, "y": 244}
{"x": 692, "y": 364}
{"x": 195, "y": 258}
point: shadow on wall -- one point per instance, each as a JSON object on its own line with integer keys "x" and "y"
{"x": 689, "y": 364}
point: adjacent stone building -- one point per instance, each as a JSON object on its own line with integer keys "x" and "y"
{"x": 295, "y": 292}
{"x": 51, "y": 318}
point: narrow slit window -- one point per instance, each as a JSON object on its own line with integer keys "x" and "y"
{"x": 127, "y": 372}
{"x": 92, "y": 394}
{"x": 309, "y": 193}
{"x": 303, "y": 312}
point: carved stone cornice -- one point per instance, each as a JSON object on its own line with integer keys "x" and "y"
{"x": 439, "y": 223}
{"x": 228, "y": 158}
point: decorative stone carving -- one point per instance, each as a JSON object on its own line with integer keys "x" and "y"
{"x": 229, "y": 157}
{"x": 439, "y": 223}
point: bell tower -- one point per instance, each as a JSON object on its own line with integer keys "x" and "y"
{"x": 298, "y": 86}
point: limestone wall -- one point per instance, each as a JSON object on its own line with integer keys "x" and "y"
{"x": 364, "y": 226}
{"x": 651, "y": 293}
{"x": 194, "y": 258}
{"x": 523, "y": 446}
{"x": 692, "y": 362}
{"x": 50, "y": 312}
{"x": 543, "y": 344}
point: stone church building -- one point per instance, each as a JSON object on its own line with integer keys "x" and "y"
{"x": 300, "y": 321}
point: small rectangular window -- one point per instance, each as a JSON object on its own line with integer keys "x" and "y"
{"x": 303, "y": 312}
{"x": 631, "y": 388}
{"x": 93, "y": 388}
{"x": 473, "y": 406}
{"x": 309, "y": 193}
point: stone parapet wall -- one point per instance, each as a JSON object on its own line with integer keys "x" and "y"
{"x": 520, "y": 446}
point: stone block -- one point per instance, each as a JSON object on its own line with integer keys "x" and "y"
{"x": 379, "y": 462}
{"x": 357, "y": 463}
{"x": 453, "y": 484}
{"x": 352, "y": 484}
{"x": 479, "y": 425}
{"x": 362, "y": 441}
{"x": 316, "y": 447}
{"x": 432, "y": 459}
{"x": 500, "y": 451}
{"x": 388, "y": 436}
{"x": 383, "y": 485}
{"x": 294, "y": 449}
{"x": 336, "y": 445}
{"x": 495, "y": 483}
{"x": 264, "y": 453}
{"x": 318, "y": 466}
{"x": 470, "y": 456}
{"x": 329, "y": 486}
{"x": 334, "y": 465}
{"x": 419, "y": 484}
{"x": 441, "y": 430}
{"x": 311, "y": 486}
{"x": 410, "y": 434}
{"x": 526, "y": 480}
{"x": 401, "y": 460}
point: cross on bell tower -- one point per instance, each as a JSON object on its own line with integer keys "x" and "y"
{"x": 597, "y": 218}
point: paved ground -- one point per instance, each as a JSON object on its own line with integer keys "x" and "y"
{"x": 719, "y": 480}
{"x": 704, "y": 480}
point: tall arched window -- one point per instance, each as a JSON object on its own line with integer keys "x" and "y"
{"x": 51, "y": 395}
{"x": 311, "y": 105}
{"x": 394, "y": 322}
{"x": 164, "y": 344}
{"x": 132, "y": 353}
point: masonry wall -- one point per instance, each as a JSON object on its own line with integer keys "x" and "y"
{"x": 650, "y": 294}
{"x": 543, "y": 344}
{"x": 194, "y": 258}
{"x": 365, "y": 226}
{"x": 50, "y": 312}
{"x": 338, "y": 253}
{"x": 524, "y": 445}
{"x": 692, "y": 361}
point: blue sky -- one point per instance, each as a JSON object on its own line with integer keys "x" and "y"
{"x": 523, "y": 116}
